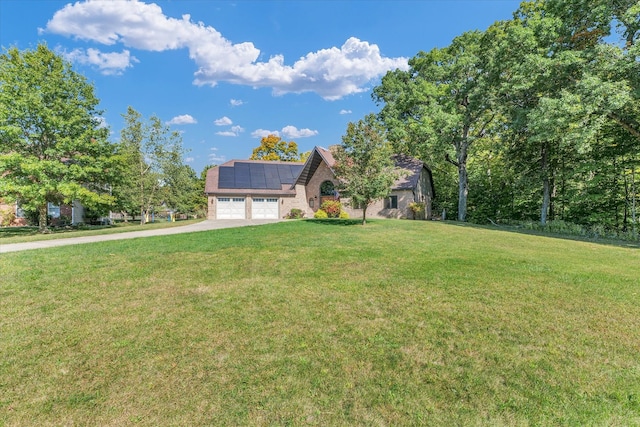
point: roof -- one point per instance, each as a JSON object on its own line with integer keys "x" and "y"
{"x": 256, "y": 176}
{"x": 317, "y": 156}
{"x": 280, "y": 178}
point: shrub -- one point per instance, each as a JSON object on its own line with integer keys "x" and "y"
{"x": 295, "y": 214}
{"x": 418, "y": 209}
{"x": 344, "y": 215}
{"x": 7, "y": 216}
{"x": 332, "y": 208}
{"x": 320, "y": 214}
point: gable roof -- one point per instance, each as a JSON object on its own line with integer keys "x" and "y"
{"x": 317, "y": 156}
{"x": 258, "y": 176}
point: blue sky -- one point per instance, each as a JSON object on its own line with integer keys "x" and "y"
{"x": 226, "y": 73}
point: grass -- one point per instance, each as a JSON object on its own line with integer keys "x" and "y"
{"x": 322, "y": 323}
{"x": 32, "y": 234}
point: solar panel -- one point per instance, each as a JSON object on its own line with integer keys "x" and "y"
{"x": 226, "y": 177}
{"x": 242, "y": 174}
{"x": 258, "y": 180}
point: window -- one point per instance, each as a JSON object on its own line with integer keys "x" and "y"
{"x": 19, "y": 211}
{"x": 272, "y": 200}
{"x": 238, "y": 199}
{"x": 224, "y": 199}
{"x": 391, "y": 202}
{"x": 53, "y": 210}
{"x": 327, "y": 189}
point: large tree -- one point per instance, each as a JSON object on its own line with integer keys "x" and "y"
{"x": 440, "y": 105}
{"x": 152, "y": 170}
{"x": 53, "y": 146}
{"x": 363, "y": 163}
{"x": 274, "y": 148}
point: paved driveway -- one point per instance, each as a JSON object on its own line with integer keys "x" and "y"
{"x": 191, "y": 228}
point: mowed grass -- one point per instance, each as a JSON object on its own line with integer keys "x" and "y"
{"x": 32, "y": 234}
{"x": 322, "y": 323}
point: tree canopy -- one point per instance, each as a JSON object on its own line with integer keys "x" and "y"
{"x": 363, "y": 163}
{"x": 274, "y": 148}
{"x": 53, "y": 147}
{"x": 539, "y": 114}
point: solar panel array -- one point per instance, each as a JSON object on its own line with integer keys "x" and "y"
{"x": 257, "y": 176}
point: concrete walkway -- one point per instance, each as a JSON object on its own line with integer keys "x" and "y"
{"x": 191, "y": 228}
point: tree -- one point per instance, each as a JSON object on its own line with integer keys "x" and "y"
{"x": 440, "y": 104}
{"x": 273, "y": 148}
{"x": 152, "y": 169}
{"x": 363, "y": 164}
{"x": 53, "y": 147}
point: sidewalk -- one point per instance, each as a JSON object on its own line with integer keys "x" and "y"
{"x": 192, "y": 228}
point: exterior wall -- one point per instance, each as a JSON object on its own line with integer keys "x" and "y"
{"x": 322, "y": 174}
{"x": 299, "y": 201}
{"x": 285, "y": 203}
{"x": 423, "y": 193}
{"x": 378, "y": 210}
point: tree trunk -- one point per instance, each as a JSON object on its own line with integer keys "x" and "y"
{"x": 546, "y": 186}
{"x": 364, "y": 214}
{"x": 42, "y": 217}
{"x": 463, "y": 182}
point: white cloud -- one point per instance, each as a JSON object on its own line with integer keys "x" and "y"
{"x": 184, "y": 119}
{"x": 223, "y": 121}
{"x": 261, "y": 133}
{"x": 236, "y": 102}
{"x": 107, "y": 63}
{"x": 345, "y": 111}
{"x": 294, "y": 132}
{"x": 235, "y": 131}
{"x": 189, "y": 159}
{"x": 332, "y": 73}
{"x": 214, "y": 158}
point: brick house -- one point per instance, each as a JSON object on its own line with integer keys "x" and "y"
{"x": 253, "y": 189}
{"x": 59, "y": 214}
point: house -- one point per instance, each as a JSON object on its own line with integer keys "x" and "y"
{"x": 12, "y": 215}
{"x": 257, "y": 189}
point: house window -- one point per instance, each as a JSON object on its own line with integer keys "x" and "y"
{"x": 19, "y": 211}
{"x": 53, "y": 210}
{"x": 391, "y": 202}
{"x": 327, "y": 189}
{"x": 311, "y": 203}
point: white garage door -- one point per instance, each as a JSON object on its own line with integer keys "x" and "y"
{"x": 230, "y": 208}
{"x": 264, "y": 208}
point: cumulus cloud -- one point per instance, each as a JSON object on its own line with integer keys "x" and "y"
{"x": 286, "y": 132}
{"x": 261, "y": 133}
{"x": 294, "y": 132}
{"x": 189, "y": 159}
{"x": 113, "y": 63}
{"x": 332, "y": 73}
{"x": 184, "y": 119}
{"x": 234, "y": 131}
{"x": 215, "y": 158}
{"x": 223, "y": 121}
{"x": 236, "y": 102}
{"x": 345, "y": 111}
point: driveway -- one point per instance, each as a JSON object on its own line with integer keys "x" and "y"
{"x": 191, "y": 228}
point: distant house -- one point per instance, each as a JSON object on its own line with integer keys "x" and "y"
{"x": 257, "y": 189}
{"x": 59, "y": 214}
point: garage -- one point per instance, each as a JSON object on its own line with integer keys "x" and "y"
{"x": 230, "y": 208}
{"x": 264, "y": 208}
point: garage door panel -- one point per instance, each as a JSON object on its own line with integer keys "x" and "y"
{"x": 264, "y": 208}
{"x": 230, "y": 208}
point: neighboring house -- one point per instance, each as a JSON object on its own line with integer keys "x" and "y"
{"x": 59, "y": 214}
{"x": 255, "y": 189}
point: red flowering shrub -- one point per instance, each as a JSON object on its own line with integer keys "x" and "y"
{"x": 332, "y": 208}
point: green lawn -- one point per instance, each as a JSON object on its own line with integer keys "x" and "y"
{"x": 322, "y": 323}
{"x": 32, "y": 234}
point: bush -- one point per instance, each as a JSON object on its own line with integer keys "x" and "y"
{"x": 320, "y": 214}
{"x": 332, "y": 208}
{"x": 344, "y": 215}
{"x": 7, "y": 216}
{"x": 295, "y": 214}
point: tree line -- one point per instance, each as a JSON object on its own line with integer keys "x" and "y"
{"x": 54, "y": 147}
{"x": 535, "y": 119}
